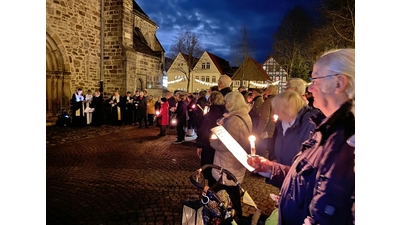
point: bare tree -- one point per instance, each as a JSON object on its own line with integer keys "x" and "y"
{"x": 290, "y": 41}
{"x": 340, "y": 15}
{"x": 242, "y": 49}
{"x": 189, "y": 45}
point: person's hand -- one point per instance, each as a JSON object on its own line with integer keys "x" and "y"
{"x": 199, "y": 152}
{"x": 260, "y": 164}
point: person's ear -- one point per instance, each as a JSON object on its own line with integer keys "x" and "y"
{"x": 341, "y": 83}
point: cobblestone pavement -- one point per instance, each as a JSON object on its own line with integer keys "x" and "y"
{"x": 125, "y": 175}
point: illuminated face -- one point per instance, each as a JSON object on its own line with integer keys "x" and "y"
{"x": 322, "y": 85}
{"x": 79, "y": 92}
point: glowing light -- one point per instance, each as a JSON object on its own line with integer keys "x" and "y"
{"x": 175, "y": 81}
{"x": 264, "y": 85}
{"x": 252, "y": 140}
{"x": 205, "y": 83}
{"x": 157, "y": 112}
{"x": 206, "y": 109}
{"x": 173, "y": 121}
{"x": 275, "y": 118}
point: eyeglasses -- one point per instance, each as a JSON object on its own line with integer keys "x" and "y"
{"x": 316, "y": 78}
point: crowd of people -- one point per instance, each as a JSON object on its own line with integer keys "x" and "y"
{"x": 304, "y": 135}
{"x": 117, "y": 110}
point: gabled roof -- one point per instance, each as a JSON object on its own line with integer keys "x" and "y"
{"x": 221, "y": 64}
{"x": 140, "y": 44}
{"x": 138, "y": 11}
{"x": 253, "y": 71}
{"x": 168, "y": 63}
{"x": 270, "y": 57}
{"x": 187, "y": 58}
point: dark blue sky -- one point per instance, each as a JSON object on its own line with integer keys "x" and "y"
{"x": 218, "y": 22}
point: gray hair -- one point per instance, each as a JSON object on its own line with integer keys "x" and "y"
{"x": 234, "y": 102}
{"x": 225, "y": 80}
{"x": 298, "y": 84}
{"x": 341, "y": 61}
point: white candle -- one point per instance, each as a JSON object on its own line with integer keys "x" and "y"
{"x": 252, "y": 140}
{"x": 205, "y": 110}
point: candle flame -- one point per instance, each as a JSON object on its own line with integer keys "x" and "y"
{"x": 275, "y": 117}
{"x": 157, "y": 112}
{"x": 252, "y": 138}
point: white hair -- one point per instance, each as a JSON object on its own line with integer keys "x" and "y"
{"x": 341, "y": 61}
{"x": 225, "y": 80}
{"x": 298, "y": 84}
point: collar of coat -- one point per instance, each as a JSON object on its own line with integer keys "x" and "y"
{"x": 342, "y": 116}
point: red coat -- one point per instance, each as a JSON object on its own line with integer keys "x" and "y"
{"x": 164, "y": 114}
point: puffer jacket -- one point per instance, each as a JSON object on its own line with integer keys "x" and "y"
{"x": 223, "y": 157}
{"x": 320, "y": 183}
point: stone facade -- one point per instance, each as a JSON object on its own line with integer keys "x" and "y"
{"x": 73, "y": 48}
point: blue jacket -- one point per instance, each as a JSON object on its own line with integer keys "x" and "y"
{"x": 320, "y": 183}
{"x": 283, "y": 148}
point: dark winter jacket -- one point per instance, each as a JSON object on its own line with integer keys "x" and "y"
{"x": 321, "y": 181}
{"x": 181, "y": 112}
{"x": 283, "y": 148}
{"x": 199, "y": 115}
{"x": 225, "y": 91}
{"x": 203, "y": 133}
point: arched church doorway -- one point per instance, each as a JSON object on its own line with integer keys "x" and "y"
{"x": 57, "y": 81}
{"x": 139, "y": 85}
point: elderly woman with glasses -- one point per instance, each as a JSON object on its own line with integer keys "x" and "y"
{"x": 318, "y": 187}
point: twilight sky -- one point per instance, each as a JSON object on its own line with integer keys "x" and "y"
{"x": 218, "y": 22}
